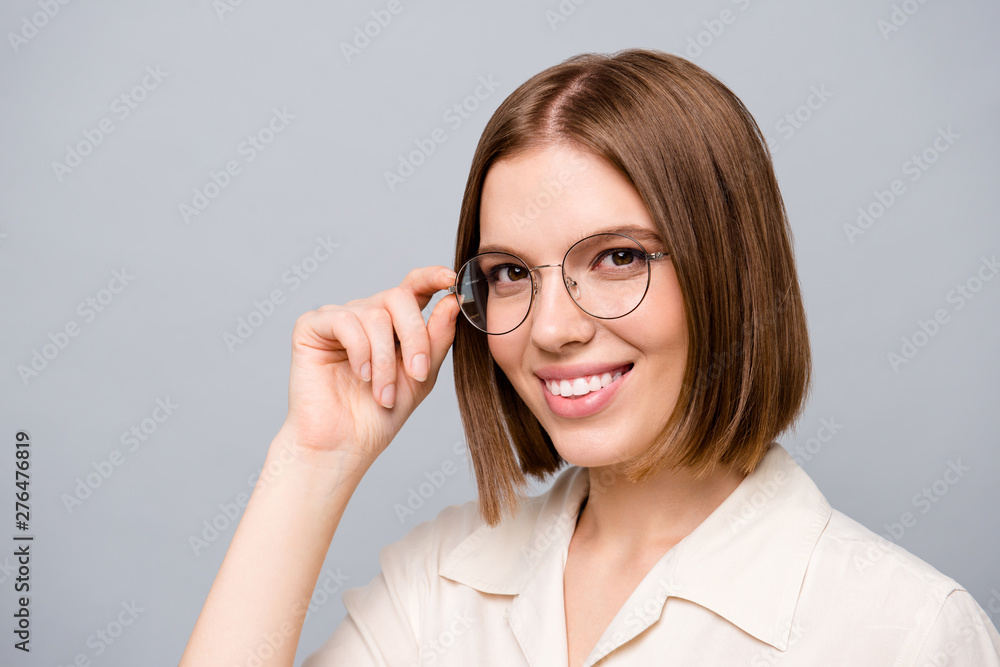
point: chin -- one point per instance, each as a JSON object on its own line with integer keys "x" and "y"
{"x": 587, "y": 448}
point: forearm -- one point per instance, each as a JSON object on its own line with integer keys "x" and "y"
{"x": 258, "y": 602}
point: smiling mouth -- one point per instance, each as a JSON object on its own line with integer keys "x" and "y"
{"x": 587, "y": 384}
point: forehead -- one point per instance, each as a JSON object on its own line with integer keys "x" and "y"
{"x": 553, "y": 196}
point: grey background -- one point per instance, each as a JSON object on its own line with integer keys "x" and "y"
{"x": 162, "y": 337}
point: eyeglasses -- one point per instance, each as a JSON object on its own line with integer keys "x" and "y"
{"x": 607, "y": 276}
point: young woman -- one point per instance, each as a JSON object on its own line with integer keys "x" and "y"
{"x": 630, "y": 308}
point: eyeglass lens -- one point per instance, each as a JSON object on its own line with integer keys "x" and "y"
{"x": 606, "y": 274}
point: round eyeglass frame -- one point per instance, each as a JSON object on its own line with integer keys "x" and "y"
{"x": 650, "y": 257}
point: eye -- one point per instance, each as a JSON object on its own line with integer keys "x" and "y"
{"x": 509, "y": 273}
{"x": 619, "y": 257}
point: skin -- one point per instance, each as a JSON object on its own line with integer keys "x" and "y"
{"x": 624, "y": 528}
{"x": 346, "y": 368}
{"x": 558, "y": 332}
{"x": 358, "y": 371}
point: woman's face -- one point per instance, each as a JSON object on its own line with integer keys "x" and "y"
{"x": 536, "y": 205}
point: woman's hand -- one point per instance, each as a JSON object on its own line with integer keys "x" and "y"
{"x": 351, "y": 389}
{"x": 352, "y": 384}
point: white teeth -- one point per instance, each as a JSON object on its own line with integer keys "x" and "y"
{"x": 580, "y": 386}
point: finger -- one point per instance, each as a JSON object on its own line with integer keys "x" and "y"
{"x": 441, "y": 327}
{"x": 377, "y": 324}
{"x": 352, "y": 336}
{"x": 424, "y": 282}
{"x": 409, "y": 326}
{"x": 332, "y": 329}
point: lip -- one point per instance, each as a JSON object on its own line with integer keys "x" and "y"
{"x": 579, "y": 370}
{"x": 584, "y": 406}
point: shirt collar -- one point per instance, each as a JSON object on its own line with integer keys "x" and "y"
{"x": 746, "y": 562}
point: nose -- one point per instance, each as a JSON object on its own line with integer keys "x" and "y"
{"x": 555, "y": 320}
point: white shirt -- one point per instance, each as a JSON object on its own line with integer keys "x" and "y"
{"x": 772, "y": 576}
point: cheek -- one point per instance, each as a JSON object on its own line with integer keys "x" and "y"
{"x": 508, "y": 352}
{"x": 665, "y": 324}
{"x": 661, "y": 339}
{"x": 500, "y": 350}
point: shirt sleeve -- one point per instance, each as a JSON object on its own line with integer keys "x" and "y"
{"x": 962, "y": 636}
{"x": 385, "y": 618}
{"x": 375, "y": 632}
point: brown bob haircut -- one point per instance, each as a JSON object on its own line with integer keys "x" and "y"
{"x": 700, "y": 163}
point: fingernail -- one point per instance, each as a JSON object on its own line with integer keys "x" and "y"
{"x": 419, "y": 366}
{"x": 449, "y": 275}
{"x": 389, "y": 395}
{"x": 366, "y": 372}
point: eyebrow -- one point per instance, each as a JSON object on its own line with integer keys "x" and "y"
{"x": 643, "y": 235}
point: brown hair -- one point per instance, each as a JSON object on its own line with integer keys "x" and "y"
{"x": 700, "y": 163}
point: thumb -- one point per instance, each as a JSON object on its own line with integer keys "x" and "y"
{"x": 441, "y": 330}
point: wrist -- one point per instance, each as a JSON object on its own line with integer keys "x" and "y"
{"x": 339, "y": 465}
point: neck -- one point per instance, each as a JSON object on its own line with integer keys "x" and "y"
{"x": 628, "y": 518}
